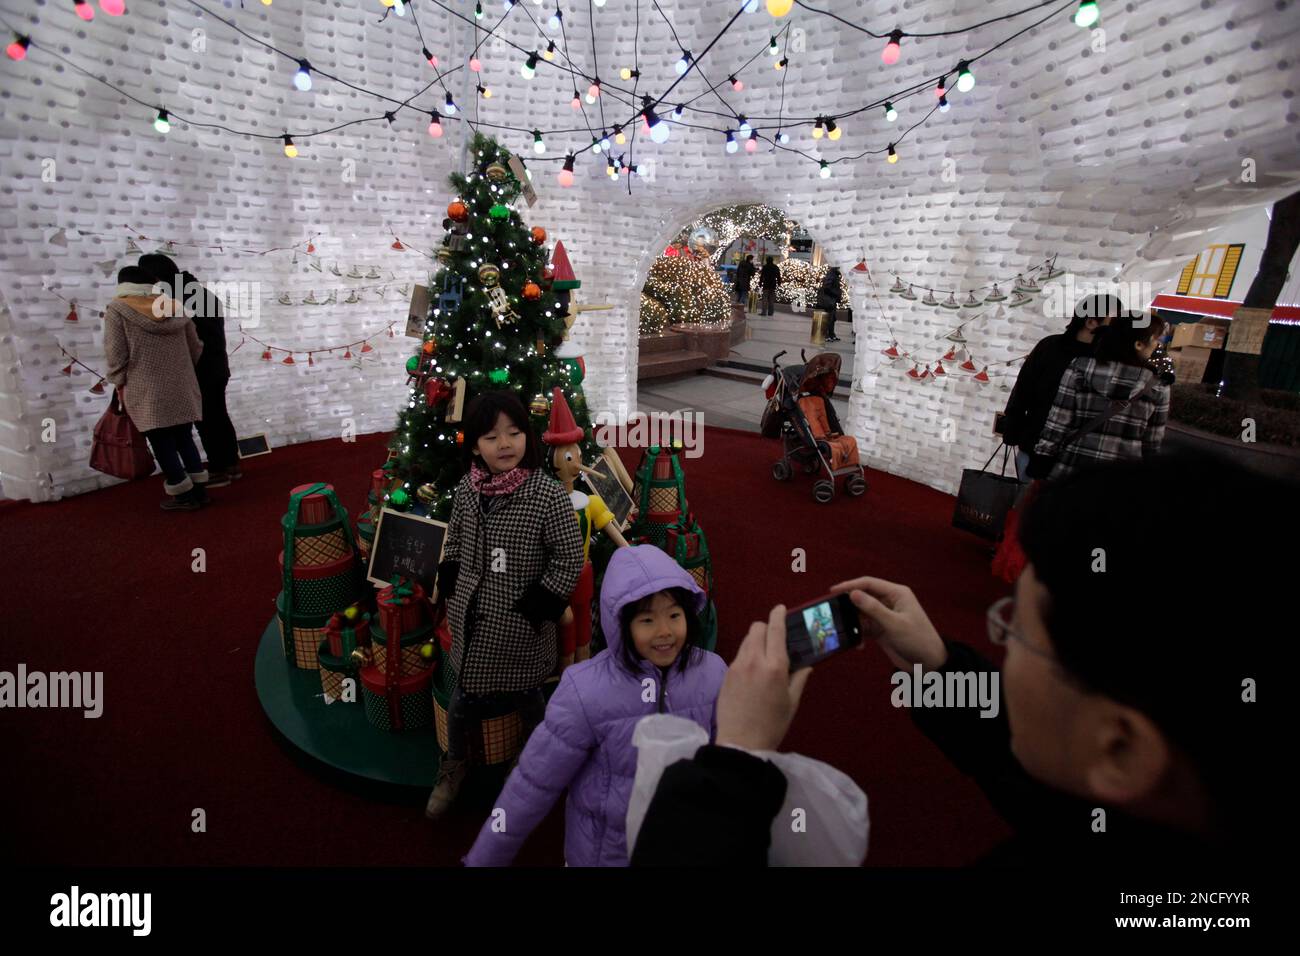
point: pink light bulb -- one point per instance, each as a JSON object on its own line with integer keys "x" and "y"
{"x": 475, "y": 65}
{"x": 85, "y": 10}
{"x": 114, "y": 8}
{"x": 566, "y": 178}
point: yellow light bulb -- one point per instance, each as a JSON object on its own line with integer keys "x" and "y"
{"x": 835, "y": 133}
{"x": 818, "y": 132}
{"x": 291, "y": 151}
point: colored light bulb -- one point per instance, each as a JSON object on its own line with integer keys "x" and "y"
{"x": 893, "y": 48}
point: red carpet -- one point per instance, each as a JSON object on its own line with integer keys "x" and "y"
{"x": 103, "y": 582}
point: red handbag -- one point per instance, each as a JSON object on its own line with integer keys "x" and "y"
{"x": 119, "y": 449}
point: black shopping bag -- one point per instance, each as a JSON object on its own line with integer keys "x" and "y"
{"x": 984, "y": 499}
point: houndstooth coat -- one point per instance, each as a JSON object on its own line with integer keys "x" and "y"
{"x": 525, "y": 553}
{"x": 153, "y": 359}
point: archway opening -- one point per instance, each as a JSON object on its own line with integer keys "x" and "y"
{"x": 712, "y": 322}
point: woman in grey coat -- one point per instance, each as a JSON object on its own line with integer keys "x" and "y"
{"x": 151, "y": 347}
{"x": 512, "y": 558}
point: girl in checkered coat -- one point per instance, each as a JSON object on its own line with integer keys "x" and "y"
{"x": 512, "y": 559}
{"x": 649, "y": 609}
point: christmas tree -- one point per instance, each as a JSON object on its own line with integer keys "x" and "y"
{"x": 497, "y": 315}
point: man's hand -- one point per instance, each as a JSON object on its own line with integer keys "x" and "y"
{"x": 891, "y": 614}
{"x": 759, "y": 695}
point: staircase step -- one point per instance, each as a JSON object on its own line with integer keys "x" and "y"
{"x": 654, "y": 344}
{"x": 663, "y": 364}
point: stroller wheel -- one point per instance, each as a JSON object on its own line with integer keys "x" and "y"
{"x": 824, "y": 491}
{"x": 856, "y": 485}
{"x": 781, "y": 470}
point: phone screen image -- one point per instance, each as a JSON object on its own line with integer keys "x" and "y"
{"x": 815, "y": 632}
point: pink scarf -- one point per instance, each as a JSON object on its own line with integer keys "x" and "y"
{"x": 486, "y": 483}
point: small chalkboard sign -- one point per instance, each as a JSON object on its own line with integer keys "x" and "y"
{"x": 253, "y": 446}
{"x": 600, "y": 480}
{"x": 406, "y": 544}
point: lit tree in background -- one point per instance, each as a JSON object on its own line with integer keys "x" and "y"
{"x": 798, "y": 277}
{"x": 732, "y": 222}
{"x": 494, "y": 323}
{"x": 683, "y": 291}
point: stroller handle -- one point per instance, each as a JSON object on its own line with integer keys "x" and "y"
{"x": 777, "y": 356}
{"x": 803, "y": 357}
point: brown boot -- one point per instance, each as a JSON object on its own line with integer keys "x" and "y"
{"x": 451, "y": 774}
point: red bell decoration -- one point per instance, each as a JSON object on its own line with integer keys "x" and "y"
{"x": 67, "y": 369}
{"x": 968, "y": 366}
{"x": 950, "y": 355}
{"x": 266, "y": 355}
{"x": 288, "y": 360}
{"x": 397, "y": 245}
{"x": 72, "y": 314}
{"x": 892, "y": 351}
{"x": 311, "y": 247}
{"x": 365, "y": 347}
{"x": 457, "y": 211}
{"x": 97, "y": 388}
{"x": 983, "y": 376}
{"x": 914, "y": 372}
{"x": 348, "y": 354}
{"x": 539, "y": 235}
{"x": 939, "y": 371}
{"x": 532, "y": 291}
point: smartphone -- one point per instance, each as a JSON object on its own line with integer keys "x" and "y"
{"x": 820, "y": 628}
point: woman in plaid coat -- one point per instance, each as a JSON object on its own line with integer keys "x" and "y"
{"x": 1116, "y": 384}
{"x": 511, "y": 561}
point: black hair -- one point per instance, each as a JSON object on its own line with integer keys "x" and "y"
{"x": 1179, "y": 654}
{"x": 160, "y": 268}
{"x": 631, "y": 658}
{"x": 1099, "y": 306}
{"x": 481, "y": 418}
{"x": 135, "y": 275}
{"x": 1116, "y": 342}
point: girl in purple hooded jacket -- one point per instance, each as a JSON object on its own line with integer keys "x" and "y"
{"x": 649, "y": 613}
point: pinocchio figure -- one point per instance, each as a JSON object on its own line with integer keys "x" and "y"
{"x": 563, "y": 435}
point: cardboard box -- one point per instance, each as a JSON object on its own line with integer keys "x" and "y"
{"x": 1189, "y": 364}
{"x": 1206, "y": 334}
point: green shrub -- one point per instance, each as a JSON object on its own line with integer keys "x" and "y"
{"x": 1276, "y": 414}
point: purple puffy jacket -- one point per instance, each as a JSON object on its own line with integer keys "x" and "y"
{"x": 585, "y": 742}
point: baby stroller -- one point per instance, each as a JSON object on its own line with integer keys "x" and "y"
{"x": 799, "y": 410}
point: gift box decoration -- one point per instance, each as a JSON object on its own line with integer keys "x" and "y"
{"x": 686, "y": 544}
{"x": 405, "y": 706}
{"x": 300, "y": 634}
{"x": 412, "y": 660}
{"x": 345, "y": 634}
{"x": 402, "y": 606}
{"x": 323, "y": 588}
{"x": 659, "y": 491}
{"x": 334, "y": 671}
{"x": 318, "y": 544}
{"x": 317, "y": 503}
{"x": 497, "y": 738}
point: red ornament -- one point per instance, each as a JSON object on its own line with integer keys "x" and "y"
{"x": 939, "y": 370}
{"x": 97, "y": 388}
{"x": 266, "y": 355}
{"x": 67, "y": 369}
{"x": 430, "y": 347}
{"x": 365, "y": 347}
{"x": 348, "y": 353}
{"x": 950, "y": 355}
{"x": 289, "y": 360}
{"x": 983, "y": 376}
{"x": 436, "y": 391}
{"x": 532, "y": 291}
{"x": 892, "y": 351}
{"x": 460, "y": 438}
{"x": 457, "y": 211}
{"x": 72, "y": 314}
{"x": 968, "y": 366}
{"x": 539, "y": 235}
{"x": 548, "y": 274}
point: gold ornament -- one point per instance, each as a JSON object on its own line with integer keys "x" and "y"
{"x": 539, "y": 406}
{"x": 427, "y": 493}
{"x": 426, "y": 650}
{"x": 444, "y": 254}
{"x": 496, "y": 172}
{"x": 488, "y": 274}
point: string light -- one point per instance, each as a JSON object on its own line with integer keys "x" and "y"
{"x": 779, "y": 8}
{"x": 577, "y": 101}
{"x": 751, "y": 144}
{"x": 772, "y": 48}
{"x": 943, "y": 104}
{"x": 18, "y": 49}
{"x": 942, "y": 89}
{"x": 435, "y": 125}
{"x": 684, "y": 63}
{"x": 891, "y": 114}
{"x": 115, "y": 8}
{"x": 549, "y": 52}
{"x": 893, "y": 48}
{"x": 619, "y": 136}
{"x": 736, "y": 84}
{"x": 677, "y": 111}
{"x": 782, "y": 63}
{"x": 538, "y": 146}
{"x": 965, "y": 78}
{"x": 475, "y": 64}
{"x": 556, "y": 19}
{"x": 825, "y": 169}
{"x": 744, "y": 128}
{"x": 593, "y": 91}
{"x": 604, "y": 141}
{"x": 893, "y": 156}
{"x": 1087, "y": 14}
{"x": 429, "y": 57}
{"x": 832, "y": 131}
{"x": 731, "y": 143}
{"x": 782, "y": 136}
{"x": 819, "y": 130}
{"x": 484, "y": 92}
{"x": 659, "y": 130}
{"x": 478, "y": 11}
{"x": 566, "y": 174}
{"x": 85, "y": 10}
{"x": 529, "y": 69}
{"x": 450, "y": 107}
{"x": 302, "y": 79}
{"x": 290, "y": 150}
{"x": 160, "y": 123}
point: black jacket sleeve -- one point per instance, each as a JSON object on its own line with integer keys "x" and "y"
{"x": 1015, "y": 427}
{"x": 980, "y": 747}
{"x": 713, "y": 810}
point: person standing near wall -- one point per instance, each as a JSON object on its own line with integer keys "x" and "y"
{"x": 150, "y": 348}
{"x": 828, "y": 299}
{"x": 213, "y": 369}
{"x": 744, "y": 277}
{"x": 768, "y": 278}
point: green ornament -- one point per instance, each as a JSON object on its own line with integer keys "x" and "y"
{"x": 412, "y": 365}
{"x": 499, "y": 211}
{"x": 499, "y": 376}
{"x": 576, "y": 373}
{"x": 399, "y": 499}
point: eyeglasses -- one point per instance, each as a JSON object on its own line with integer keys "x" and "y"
{"x": 1000, "y": 616}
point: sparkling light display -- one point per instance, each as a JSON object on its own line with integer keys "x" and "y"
{"x": 683, "y": 291}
